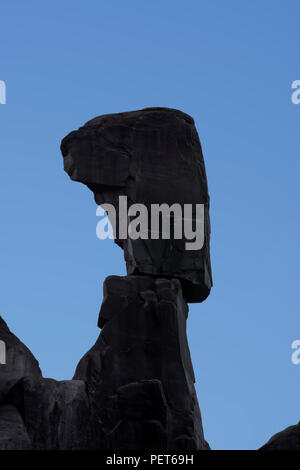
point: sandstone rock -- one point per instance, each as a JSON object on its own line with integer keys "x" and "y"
{"x": 153, "y": 156}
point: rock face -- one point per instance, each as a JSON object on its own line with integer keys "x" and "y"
{"x": 288, "y": 439}
{"x": 153, "y": 156}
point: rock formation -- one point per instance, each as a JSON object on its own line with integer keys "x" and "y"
{"x": 134, "y": 389}
{"x": 288, "y": 439}
{"x": 19, "y": 362}
{"x": 142, "y": 389}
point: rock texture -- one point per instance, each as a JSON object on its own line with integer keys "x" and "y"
{"x": 153, "y": 156}
{"x": 13, "y": 434}
{"x": 55, "y": 413}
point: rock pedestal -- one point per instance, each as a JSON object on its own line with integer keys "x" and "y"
{"x": 143, "y": 392}
{"x": 134, "y": 389}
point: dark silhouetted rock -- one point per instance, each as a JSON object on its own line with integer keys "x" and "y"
{"x": 139, "y": 375}
{"x": 153, "y": 156}
{"x": 55, "y": 413}
{"x": 288, "y": 439}
{"x": 133, "y": 390}
{"x": 19, "y": 361}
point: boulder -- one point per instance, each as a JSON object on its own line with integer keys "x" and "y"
{"x": 151, "y": 156}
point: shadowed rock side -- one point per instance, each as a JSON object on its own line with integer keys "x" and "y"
{"x": 153, "y": 156}
{"x": 288, "y": 439}
{"x": 133, "y": 390}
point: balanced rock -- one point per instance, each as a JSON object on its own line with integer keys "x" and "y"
{"x": 134, "y": 390}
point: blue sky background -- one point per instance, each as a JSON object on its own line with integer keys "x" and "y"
{"x": 228, "y": 64}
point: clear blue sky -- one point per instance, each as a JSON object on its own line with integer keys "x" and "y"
{"x": 230, "y": 64}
